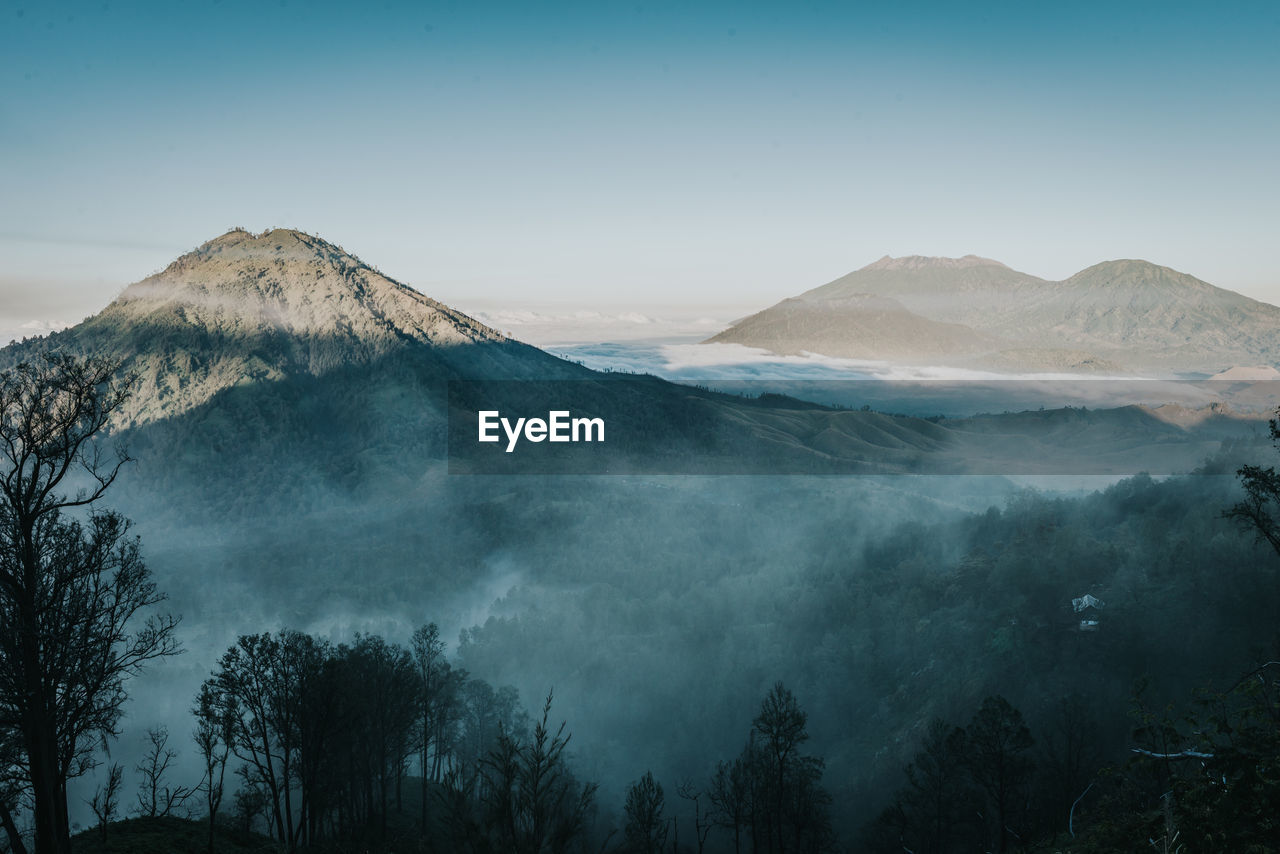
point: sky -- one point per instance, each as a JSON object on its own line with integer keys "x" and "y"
{"x": 623, "y": 154}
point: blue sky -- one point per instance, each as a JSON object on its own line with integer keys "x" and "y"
{"x": 609, "y": 154}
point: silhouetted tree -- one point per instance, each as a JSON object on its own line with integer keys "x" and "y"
{"x": 13, "y": 781}
{"x": 433, "y": 678}
{"x": 554, "y": 804}
{"x": 259, "y": 682}
{"x": 1257, "y": 512}
{"x": 1211, "y": 778}
{"x": 388, "y": 686}
{"x": 215, "y": 721}
{"x": 937, "y": 794}
{"x": 995, "y": 744}
{"x": 1071, "y": 755}
{"x": 731, "y": 793}
{"x": 155, "y": 797}
{"x": 70, "y": 588}
{"x": 646, "y": 829}
{"x": 484, "y": 714}
{"x": 523, "y": 797}
{"x": 106, "y": 798}
{"x": 703, "y": 820}
{"x": 790, "y": 806}
{"x": 250, "y": 801}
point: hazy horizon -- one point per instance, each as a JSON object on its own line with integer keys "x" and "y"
{"x": 37, "y": 307}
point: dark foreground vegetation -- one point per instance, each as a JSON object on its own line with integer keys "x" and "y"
{"x": 1038, "y": 663}
{"x": 168, "y": 835}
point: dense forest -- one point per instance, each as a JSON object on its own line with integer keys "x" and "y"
{"x": 985, "y": 598}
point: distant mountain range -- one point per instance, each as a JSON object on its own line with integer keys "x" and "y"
{"x": 975, "y": 312}
{"x": 282, "y": 347}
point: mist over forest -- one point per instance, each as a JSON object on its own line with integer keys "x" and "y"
{"x": 662, "y": 609}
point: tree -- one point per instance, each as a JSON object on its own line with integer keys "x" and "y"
{"x": 779, "y": 730}
{"x": 731, "y": 793}
{"x": 155, "y": 797}
{"x": 70, "y": 588}
{"x": 790, "y": 806}
{"x": 995, "y": 744}
{"x": 12, "y": 785}
{"x": 1070, "y": 754}
{"x": 1257, "y": 512}
{"x": 249, "y": 802}
{"x": 937, "y": 791}
{"x": 260, "y": 685}
{"x": 215, "y": 722}
{"x": 106, "y": 798}
{"x": 390, "y": 689}
{"x": 703, "y": 820}
{"x": 522, "y": 797}
{"x": 646, "y": 829}
{"x": 554, "y": 805}
{"x": 428, "y": 658}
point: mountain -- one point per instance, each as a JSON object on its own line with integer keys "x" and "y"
{"x": 1116, "y": 315}
{"x": 281, "y": 349}
{"x": 245, "y": 308}
{"x": 971, "y": 291}
{"x": 857, "y": 326}
{"x": 1141, "y": 313}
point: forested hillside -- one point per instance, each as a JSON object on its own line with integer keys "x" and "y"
{"x": 888, "y": 641}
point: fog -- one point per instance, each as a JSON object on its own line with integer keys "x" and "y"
{"x": 660, "y": 609}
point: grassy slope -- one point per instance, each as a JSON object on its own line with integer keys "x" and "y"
{"x": 167, "y": 835}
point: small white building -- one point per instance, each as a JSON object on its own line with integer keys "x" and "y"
{"x": 1087, "y": 607}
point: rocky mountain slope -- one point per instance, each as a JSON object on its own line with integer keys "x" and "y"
{"x": 1118, "y": 315}
{"x": 247, "y": 308}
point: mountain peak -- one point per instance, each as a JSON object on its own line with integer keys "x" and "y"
{"x": 277, "y": 244}
{"x": 282, "y": 280}
{"x": 1129, "y": 274}
{"x": 247, "y": 307}
{"x": 239, "y": 234}
{"x": 1130, "y": 268}
{"x": 924, "y": 262}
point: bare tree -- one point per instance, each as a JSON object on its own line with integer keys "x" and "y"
{"x": 70, "y": 588}
{"x": 215, "y": 723}
{"x": 702, "y": 818}
{"x": 106, "y": 798}
{"x": 155, "y": 797}
{"x": 731, "y": 792}
{"x": 646, "y": 829}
